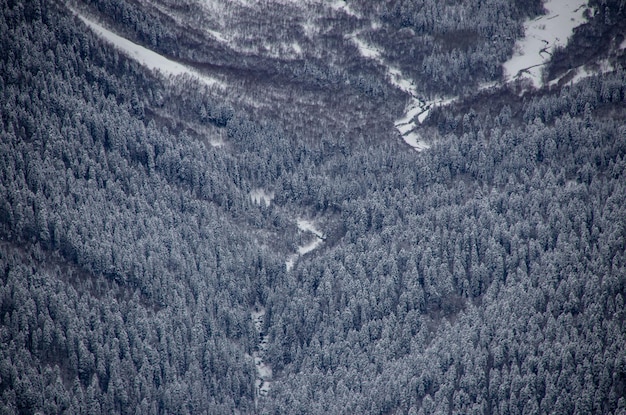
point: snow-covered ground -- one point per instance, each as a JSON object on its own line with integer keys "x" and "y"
{"x": 217, "y": 35}
{"x": 147, "y": 57}
{"x": 341, "y": 5}
{"x": 259, "y": 195}
{"x": 542, "y": 35}
{"x": 582, "y": 72}
{"x": 263, "y": 370}
{"x": 415, "y": 140}
{"x": 309, "y": 227}
{"x": 217, "y": 142}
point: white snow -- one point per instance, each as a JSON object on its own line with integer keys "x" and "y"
{"x": 146, "y": 57}
{"x": 259, "y": 195}
{"x": 308, "y": 226}
{"x": 604, "y": 66}
{"x": 585, "y": 71}
{"x": 305, "y": 225}
{"x": 488, "y": 85}
{"x": 542, "y": 35}
{"x": 341, "y": 5}
{"x": 289, "y": 263}
{"x": 217, "y": 143}
{"x": 217, "y": 35}
{"x": 367, "y": 51}
{"x": 309, "y": 29}
{"x": 622, "y": 45}
{"x": 305, "y": 249}
{"x": 414, "y": 140}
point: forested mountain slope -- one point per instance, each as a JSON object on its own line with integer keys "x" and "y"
{"x": 140, "y": 272}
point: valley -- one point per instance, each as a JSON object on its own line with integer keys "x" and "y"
{"x": 317, "y": 207}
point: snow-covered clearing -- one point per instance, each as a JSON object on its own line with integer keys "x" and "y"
{"x": 263, "y": 370}
{"x": 341, "y": 5}
{"x": 306, "y": 226}
{"x": 147, "y": 57}
{"x": 259, "y": 195}
{"x": 542, "y": 35}
{"x": 217, "y": 143}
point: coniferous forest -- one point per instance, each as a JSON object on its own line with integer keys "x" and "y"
{"x": 485, "y": 274}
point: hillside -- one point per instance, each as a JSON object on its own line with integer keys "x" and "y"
{"x": 316, "y": 207}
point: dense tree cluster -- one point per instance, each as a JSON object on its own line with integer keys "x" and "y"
{"x": 475, "y": 278}
{"x": 485, "y": 275}
{"x": 450, "y": 47}
{"x": 121, "y": 237}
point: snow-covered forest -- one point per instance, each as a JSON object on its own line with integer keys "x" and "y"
{"x": 216, "y": 207}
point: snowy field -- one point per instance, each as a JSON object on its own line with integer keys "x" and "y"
{"x": 542, "y": 35}
{"x": 147, "y": 57}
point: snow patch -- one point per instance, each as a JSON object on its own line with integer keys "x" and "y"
{"x": 309, "y": 29}
{"x": 217, "y": 143}
{"x": 144, "y": 56}
{"x": 542, "y": 35}
{"x": 415, "y": 140}
{"x": 307, "y": 226}
{"x": 260, "y": 195}
{"x": 341, "y": 5}
{"x": 217, "y": 35}
{"x": 290, "y": 262}
{"x": 367, "y": 51}
{"x": 582, "y": 72}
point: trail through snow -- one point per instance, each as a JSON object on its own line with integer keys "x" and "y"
{"x": 146, "y": 57}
